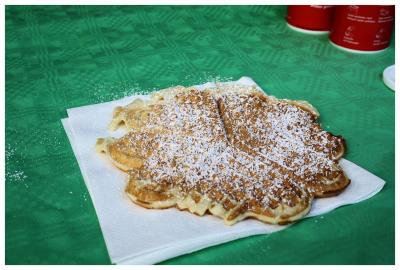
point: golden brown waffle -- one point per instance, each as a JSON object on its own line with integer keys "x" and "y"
{"x": 177, "y": 155}
{"x": 287, "y": 133}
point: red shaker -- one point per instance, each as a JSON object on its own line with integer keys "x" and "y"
{"x": 310, "y": 19}
{"x": 363, "y": 28}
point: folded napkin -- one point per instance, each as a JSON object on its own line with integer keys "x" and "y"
{"x": 135, "y": 235}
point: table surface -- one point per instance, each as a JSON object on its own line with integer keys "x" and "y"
{"x": 63, "y": 57}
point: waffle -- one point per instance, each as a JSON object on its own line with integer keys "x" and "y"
{"x": 177, "y": 154}
{"x": 287, "y": 133}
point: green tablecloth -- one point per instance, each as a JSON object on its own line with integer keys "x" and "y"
{"x": 63, "y": 57}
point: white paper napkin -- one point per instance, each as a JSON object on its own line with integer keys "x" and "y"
{"x": 135, "y": 235}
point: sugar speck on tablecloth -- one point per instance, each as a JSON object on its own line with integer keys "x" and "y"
{"x": 13, "y": 175}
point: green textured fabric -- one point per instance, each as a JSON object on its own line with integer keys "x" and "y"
{"x": 63, "y": 57}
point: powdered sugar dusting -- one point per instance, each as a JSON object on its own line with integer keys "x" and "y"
{"x": 14, "y": 175}
{"x": 192, "y": 153}
{"x": 281, "y": 133}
